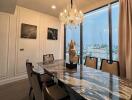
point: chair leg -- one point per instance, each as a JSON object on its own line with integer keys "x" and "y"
{"x": 30, "y": 91}
{"x": 33, "y": 97}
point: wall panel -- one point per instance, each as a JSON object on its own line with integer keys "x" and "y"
{"x": 4, "y": 31}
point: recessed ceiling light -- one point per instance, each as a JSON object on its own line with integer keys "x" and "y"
{"x": 53, "y": 7}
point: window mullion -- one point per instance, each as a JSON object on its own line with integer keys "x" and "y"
{"x": 64, "y": 42}
{"x": 110, "y": 33}
{"x": 81, "y": 43}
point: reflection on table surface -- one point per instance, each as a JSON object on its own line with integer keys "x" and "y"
{"x": 91, "y": 83}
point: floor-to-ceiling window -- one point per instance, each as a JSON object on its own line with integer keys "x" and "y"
{"x": 96, "y": 34}
{"x": 99, "y": 33}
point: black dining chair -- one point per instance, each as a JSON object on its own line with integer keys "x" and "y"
{"x": 48, "y": 58}
{"x": 44, "y": 78}
{"x": 91, "y": 62}
{"x": 37, "y": 86}
{"x": 44, "y": 92}
{"x": 110, "y": 66}
{"x": 29, "y": 68}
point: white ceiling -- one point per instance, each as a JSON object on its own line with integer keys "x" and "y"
{"x": 44, "y": 6}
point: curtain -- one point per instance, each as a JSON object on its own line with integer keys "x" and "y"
{"x": 125, "y": 39}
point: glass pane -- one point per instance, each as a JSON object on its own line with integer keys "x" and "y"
{"x": 72, "y": 33}
{"x": 96, "y": 34}
{"x": 115, "y": 23}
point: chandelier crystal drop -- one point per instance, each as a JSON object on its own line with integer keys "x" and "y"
{"x": 71, "y": 15}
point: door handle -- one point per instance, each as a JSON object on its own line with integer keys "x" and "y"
{"x": 22, "y": 49}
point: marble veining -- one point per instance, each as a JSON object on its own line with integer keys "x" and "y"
{"x": 90, "y": 83}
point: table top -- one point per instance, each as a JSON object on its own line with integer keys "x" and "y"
{"x": 90, "y": 83}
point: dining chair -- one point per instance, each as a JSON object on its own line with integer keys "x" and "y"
{"x": 44, "y": 92}
{"x": 91, "y": 62}
{"x": 110, "y": 66}
{"x": 48, "y": 58}
{"x": 44, "y": 78}
{"x": 37, "y": 86}
{"x": 29, "y": 71}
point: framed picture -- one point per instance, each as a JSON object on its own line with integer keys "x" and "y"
{"x": 28, "y": 31}
{"x": 52, "y": 34}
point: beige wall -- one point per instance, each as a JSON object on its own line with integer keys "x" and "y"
{"x": 12, "y": 60}
{"x": 96, "y": 4}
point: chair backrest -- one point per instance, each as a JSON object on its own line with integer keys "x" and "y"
{"x": 37, "y": 86}
{"x": 48, "y": 58}
{"x": 91, "y": 62}
{"x": 29, "y": 68}
{"x": 110, "y": 66}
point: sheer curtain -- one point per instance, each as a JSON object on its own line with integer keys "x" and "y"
{"x": 125, "y": 38}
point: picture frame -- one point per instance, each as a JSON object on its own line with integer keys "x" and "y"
{"x": 28, "y": 31}
{"x": 52, "y": 34}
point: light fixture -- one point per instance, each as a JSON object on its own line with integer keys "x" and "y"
{"x": 53, "y": 7}
{"x": 71, "y": 15}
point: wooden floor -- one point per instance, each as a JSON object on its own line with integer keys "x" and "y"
{"x": 15, "y": 91}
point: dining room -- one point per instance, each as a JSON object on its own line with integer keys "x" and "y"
{"x": 66, "y": 50}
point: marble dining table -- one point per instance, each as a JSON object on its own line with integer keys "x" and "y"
{"x": 91, "y": 84}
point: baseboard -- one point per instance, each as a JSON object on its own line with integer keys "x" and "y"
{"x": 12, "y": 79}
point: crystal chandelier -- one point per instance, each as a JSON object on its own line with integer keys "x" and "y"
{"x": 71, "y": 15}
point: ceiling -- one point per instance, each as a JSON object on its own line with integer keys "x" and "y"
{"x": 44, "y": 6}
{"x": 7, "y": 6}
